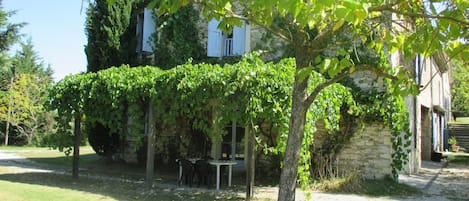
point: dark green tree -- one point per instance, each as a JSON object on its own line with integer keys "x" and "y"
{"x": 9, "y": 35}
{"x": 111, "y": 34}
{"x": 27, "y": 61}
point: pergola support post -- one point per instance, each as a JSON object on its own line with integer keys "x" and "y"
{"x": 150, "y": 147}
{"x": 76, "y": 146}
{"x": 250, "y": 162}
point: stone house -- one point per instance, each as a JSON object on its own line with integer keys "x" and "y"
{"x": 429, "y": 114}
{"x": 430, "y": 111}
{"x": 368, "y": 152}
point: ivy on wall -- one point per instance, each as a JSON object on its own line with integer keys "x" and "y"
{"x": 177, "y": 38}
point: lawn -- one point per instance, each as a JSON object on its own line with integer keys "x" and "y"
{"x": 99, "y": 180}
{"x": 461, "y": 120}
{"x": 102, "y": 180}
{"x": 459, "y": 158}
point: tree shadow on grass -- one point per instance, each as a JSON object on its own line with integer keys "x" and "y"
{"x": 118, "y": 189}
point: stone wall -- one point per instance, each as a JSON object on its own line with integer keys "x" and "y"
{"x": 368, "y": 152}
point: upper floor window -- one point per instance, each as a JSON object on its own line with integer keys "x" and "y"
{"x": 146, "y": 27}
{"x": 227, "y": 44}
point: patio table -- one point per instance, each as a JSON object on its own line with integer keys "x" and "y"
{"x": 219, "y": 163}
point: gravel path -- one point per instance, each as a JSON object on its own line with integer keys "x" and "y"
{"x": 438, "y": 182}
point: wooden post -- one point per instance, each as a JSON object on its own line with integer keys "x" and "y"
{"x": 233, "y": 140}
{"x": 150, "y": 148}
{"x": 250, "y": 156}
{"x": 76, "y": 146}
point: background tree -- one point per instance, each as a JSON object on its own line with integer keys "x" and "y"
{"x": 9, "y": 35}
{"x": 314, "y": 29}
{"x": 111, "y": 34}
{"x": 22, "y": 103}
{"x": 460, "y": 89}
{"x": 25, "y": 102}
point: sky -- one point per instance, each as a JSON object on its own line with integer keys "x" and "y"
{"x": 56, "y": 28}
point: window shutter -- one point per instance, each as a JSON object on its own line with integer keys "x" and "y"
{"x": 241, "y": 39}
{"x": 149, "y": 28}
{"x": 214, "y": 40}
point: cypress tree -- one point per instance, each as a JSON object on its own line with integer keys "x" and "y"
{"x": 111, "y": 34}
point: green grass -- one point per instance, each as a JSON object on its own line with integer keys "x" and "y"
{"x": 128, "y": 181}
{"x": 46, "y": 186}
{"x": 99, "y": 180}
{"x": 461, "y": 120}
{"x": 459, "y": 159}
{"x": 20, "y": 191}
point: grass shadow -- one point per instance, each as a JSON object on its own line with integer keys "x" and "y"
{"x": 116, "y": 189}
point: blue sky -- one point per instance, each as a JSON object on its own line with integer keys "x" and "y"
{"x": 57, "y": 31}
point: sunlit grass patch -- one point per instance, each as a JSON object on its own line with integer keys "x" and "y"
{"x": 460, "y": 159}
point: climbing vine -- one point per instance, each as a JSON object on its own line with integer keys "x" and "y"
{"x": 209, "y": 96}
{"x": 177, "y": 39}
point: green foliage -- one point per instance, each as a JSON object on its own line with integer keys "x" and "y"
{"x": 22, "y": 107}
{"x": 25, "y": 92}
{"x": 9, "y": 35}
{"x": 111, "y": 34}
{"x": 177, "y": 39}
{"x": 243, "y": 92}
{"x": 460, "y": 88}
{"x": 9, "y": 32}
{"x": 28, "y": 61}
{"x": 208, "y": 96}
{"x": 452, "y": 141}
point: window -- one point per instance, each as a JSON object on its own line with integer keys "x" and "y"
{"x": 146, "y": 27}
{"x": 227, "y": 44}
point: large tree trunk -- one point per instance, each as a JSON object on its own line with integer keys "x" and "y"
{"x": 289, "y": 173}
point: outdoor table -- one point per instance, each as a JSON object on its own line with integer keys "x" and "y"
{"x": 219, "y": 163}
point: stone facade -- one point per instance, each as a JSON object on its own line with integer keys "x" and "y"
{"x": 368, "y": 152}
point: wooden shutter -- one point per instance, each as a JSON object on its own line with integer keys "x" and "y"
{"x": 241, "y": 39}
{"x": 214, "y": 40}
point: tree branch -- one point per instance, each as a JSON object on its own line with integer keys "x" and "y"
{"x": 320, "y": 87}
{"x": 373, "y": 69}
{"x": 346, "y": 72}
{"x": 391, "y": 8}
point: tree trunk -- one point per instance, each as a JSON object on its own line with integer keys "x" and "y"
{"x": 288, "y": 177}
{"x": 7, "y": 130}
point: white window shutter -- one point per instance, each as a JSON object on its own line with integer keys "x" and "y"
{"x": 247, "y": 38}
{"x": 240, "y": 38}
{"x": 149, "y": 28}
{"x": 214, "y": 40}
